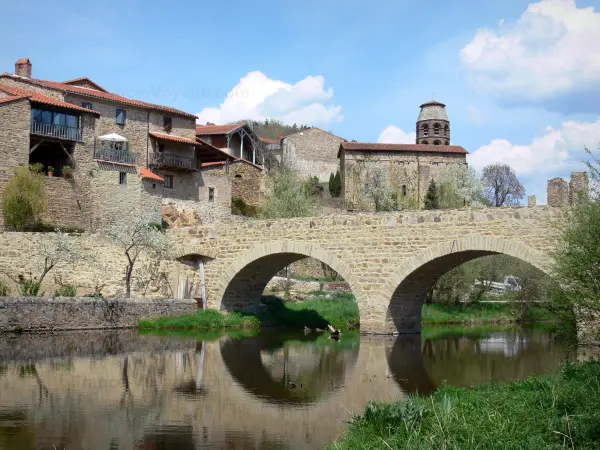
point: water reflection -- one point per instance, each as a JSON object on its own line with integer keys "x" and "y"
{"x": 291, "y": 370}
{"x": 126, "y": 391}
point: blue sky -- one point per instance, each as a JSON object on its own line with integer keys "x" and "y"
{"x": 520, "y": 79}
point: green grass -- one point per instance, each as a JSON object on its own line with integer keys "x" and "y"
{"x": 483, "y": 313}
{"x": 340, "y": 311}
{"x": 551, "y": 412}
{"x": 203, "y": 320}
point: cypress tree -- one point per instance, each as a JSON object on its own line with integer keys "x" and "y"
{"x": 338, "y": 184}
{"x": 332, "y": 184}
{"x": 432, "y": 199}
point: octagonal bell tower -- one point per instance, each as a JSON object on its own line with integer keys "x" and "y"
{"x": 433, "y": 126}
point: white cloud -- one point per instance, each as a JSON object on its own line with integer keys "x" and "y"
{"x": 553, "y": 49}
{"x": 394, "y": 135}
{"x": 555, "y": 153}
{"x": 258, "y": 97}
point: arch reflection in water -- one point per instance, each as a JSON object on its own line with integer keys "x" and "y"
{"x": 468, "y": 357}
{"x": 290, "y": 369}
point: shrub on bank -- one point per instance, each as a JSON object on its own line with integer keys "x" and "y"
{"x": 556, "y": 411}
{"x": 485, "y": 312}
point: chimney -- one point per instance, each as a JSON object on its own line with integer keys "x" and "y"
{"x": 23, "y": 67}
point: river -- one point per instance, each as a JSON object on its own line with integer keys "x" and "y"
{"x": 123, "y": 390}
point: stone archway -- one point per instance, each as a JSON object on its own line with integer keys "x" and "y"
{"x": 405, "y": 292}
{"x": 242, "y": 284}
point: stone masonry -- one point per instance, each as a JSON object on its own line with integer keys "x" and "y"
{"x": 312, "y": 153}
{"x": 561, "y": 193}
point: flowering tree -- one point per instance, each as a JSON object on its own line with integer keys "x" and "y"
{"x": 134, "y": 238}
{"x": 459, "y": 186}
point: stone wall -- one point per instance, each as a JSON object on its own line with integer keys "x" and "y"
{"x": 409, "y": 172}
{"x": 247, "y": 182}
{"x": 578, "y": 187}
{"x": 561, "y": 193}
{"x": 312, "y": 152}
{"x": 181, "y": 126}
{"x": 15, "y": 120}
{"x": 42, "y": 314}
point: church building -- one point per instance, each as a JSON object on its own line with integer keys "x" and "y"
{"x": 400, "y": 174}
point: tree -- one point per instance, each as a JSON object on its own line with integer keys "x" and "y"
{"x": 458, "y": 186}
{"x": 24, "y": 198}
{"x": 135, "y": 237}
{"x": 501, "y": 185}
{"x": 432, "y": 200}
{"x": 289, "y": 196}
{"x": 335, "y": 184}
{"x": 54, "y": 250}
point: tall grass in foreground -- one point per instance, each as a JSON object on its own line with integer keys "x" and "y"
{"x": 552, "y": 412}
{"x": 203, "y": 320}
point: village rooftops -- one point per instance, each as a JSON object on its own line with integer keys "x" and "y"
{"x": 408, "y": 148}
{"x": 96, "y": 92}
{"x": 37, "y": 97}
{"x": 212, "y": 129}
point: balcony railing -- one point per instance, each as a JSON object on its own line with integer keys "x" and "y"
{"x": 57, "y": 131}
{"x": 172, "y": 161}
{"x": 117, "y": 156}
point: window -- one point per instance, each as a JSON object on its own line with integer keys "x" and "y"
{"x": 436, "y": 142}
{"x": 436, "y": 129}
{"x": 121, "y": 116}
{"x": 167, "y": 123}
{"x": 447, "y": 142}
{"x": 161, "y": 147}
{"x": 404, "y": 191}
{"x": 87, "y": 105}
{"x": 446, "y": 131}
{"x": 238, "y": 176}
{"x": 122, "y": 178}
{"x": 425, "y": 130}
{"x": 211, "y": 194}
{"x": 169, "y": 181}
{"x": 426, "y": 142}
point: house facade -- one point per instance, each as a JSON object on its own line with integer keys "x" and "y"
{"x": 123, "y": 155}
{"x": 402, "y": 170}
{"x": 312, "y": 153}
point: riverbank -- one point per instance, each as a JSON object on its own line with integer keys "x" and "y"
{"x": 339, "y": 309}
{"x": 555, "y": 411}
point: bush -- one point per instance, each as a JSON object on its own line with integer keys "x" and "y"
{"x": 66, "y": 290}
{"x": 24, "y": 199}
{"x": 29, "y": 288}
{"x": 289, "y": 196}
{"x": 239, "y": 207}
{"x": 4, "y": 289}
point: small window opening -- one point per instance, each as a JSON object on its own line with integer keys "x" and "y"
{"x": 404, "y": 190}
{"x": 169, "y": 181}
{"x": 447, "y": 142}
{"x": 436, "y": 129}
{"x": 121, "y": 116}
{"x": 167, "y": 123}
{"x": 238, "y": 176}
{"x": 436, "y": 142}
{"x": 122, "y": 178}
{"x": 211, "y": 194}
{"x": 87, "y": 105}
{"x": 426, "y": 142}
{"x": 425, "y": 130}
{"x": 446, "y": 131}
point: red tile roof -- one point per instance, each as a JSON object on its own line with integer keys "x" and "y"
{"x": 41, "y": 98}
{"x": 12, "y": 98}
{"x": 170, "y": 137}
{"x": 205, "y": 130}
{"x": 269, "y": 141}
{"x": 64, "y": 87}
{"x": 148, "y": 175}
{"x": 424, "y": 148}
{"x": 76, "y": 80}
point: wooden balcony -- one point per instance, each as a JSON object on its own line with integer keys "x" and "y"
{"x": 116, "y": 156}
{"x": 56, "y": 131}
{"x": 170, "y": 161}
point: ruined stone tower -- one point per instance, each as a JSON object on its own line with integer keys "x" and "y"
{"x": 561, "y": 193}
{"x": 433, "y": 126}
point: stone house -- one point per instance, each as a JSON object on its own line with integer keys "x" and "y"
{"x": 128, "y": 156}
{"x": 312, "y": 153}
{"x": 404, "y": 169}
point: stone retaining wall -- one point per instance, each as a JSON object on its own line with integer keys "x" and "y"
{"x": 43, "y": 314}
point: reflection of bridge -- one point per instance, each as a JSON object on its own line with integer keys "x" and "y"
{"x": 181, "y": 392}
{"x": 390, "y": 260}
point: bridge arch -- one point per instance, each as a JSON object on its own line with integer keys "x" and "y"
{"x": 406, "y": 290}
{"x": 242, "y": 283}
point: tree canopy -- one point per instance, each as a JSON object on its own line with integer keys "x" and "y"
{"x": 502, "y": 186}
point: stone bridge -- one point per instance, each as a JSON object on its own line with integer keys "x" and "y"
{"x": 390, "y": 260}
